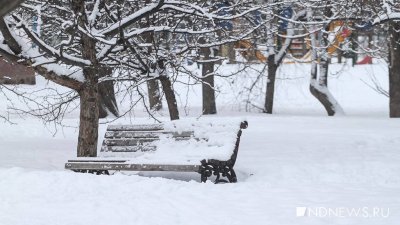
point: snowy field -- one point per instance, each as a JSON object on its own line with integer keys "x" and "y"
{"x": 297, "y": 157}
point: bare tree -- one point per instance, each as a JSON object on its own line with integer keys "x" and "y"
{"x": 319, "y": 81}
{"x": 85, "y": 44}
{"x": 387, "y": 14}
{"x": 276, "y": 53}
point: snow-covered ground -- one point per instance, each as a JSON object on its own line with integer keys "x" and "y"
{"x": 297, "y": 157}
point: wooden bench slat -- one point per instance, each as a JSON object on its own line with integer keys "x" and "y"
{"x": 128, "y": 142}
{"x": 130, "y": 167}
{"x": 137, "y": 148}
{"x": 96, "y": 160}
{"x": 136, "y": 141}
{"x": 145, "y": 134}
{"x": 141, "y": 127}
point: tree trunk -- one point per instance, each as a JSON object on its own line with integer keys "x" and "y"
{"x": 274, "y": 60}
{"x": 394, "y": 69}
{"x": 89, "y": 122}
{"x": 153, "y": 89}
{"x": 209, "y": 106}
{"x": 231, "y": 53}
{"x": 170, "y": 97}
{"x": 269, "y": 97}
{"x": 354, "y": 44}
{"x": 319, "y": 88}
{"x": 154, "y": 95}
{"x": 108, "y": 103}
{"x": 89, "y": 94}
{"x": 340, "y": 55}
{"x": 228, "y": 51}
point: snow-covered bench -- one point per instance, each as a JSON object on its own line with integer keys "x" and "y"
{"x": 180, "y": 146}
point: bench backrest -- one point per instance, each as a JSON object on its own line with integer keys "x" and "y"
{"x": 133, "y": 138}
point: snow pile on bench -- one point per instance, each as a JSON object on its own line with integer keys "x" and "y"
{"x": 214, "y": 140}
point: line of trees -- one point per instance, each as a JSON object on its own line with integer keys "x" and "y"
{"x": 89, "y": 46}
{"x": 314, "y": 19}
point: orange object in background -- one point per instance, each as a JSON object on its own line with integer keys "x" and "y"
{"x": 342, "y": 34}
{"x": 250, "y": 53}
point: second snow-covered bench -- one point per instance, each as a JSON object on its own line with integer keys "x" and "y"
{"x": 206, "y": 148}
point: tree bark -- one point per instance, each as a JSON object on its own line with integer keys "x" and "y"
{"x": 319, "y": 87}
{"x": 108, "y": 102}
{"x": 153, "y": 89}
{"x": 8, "y": 37}
{"x": 231, "y": 53}
{"x": 269, "y": 97}
{"x": 209, "y": 105}
{"x": 88, "y": 121}
{"x": 154, "y": 95}
{"x": 319, "y": 84}
{"x": 170, "y": 97}
{"x": 394, "y": 69}
{"x": 274, "y": 60}
{"x": 89, "y": 94}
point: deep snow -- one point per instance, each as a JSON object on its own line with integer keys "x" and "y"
{"x": 297, "y": 157}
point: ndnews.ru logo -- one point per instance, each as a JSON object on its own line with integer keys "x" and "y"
{"x": 365, "y": 212}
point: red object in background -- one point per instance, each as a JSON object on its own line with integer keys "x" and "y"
{"x": 366, "y": 60}
{"x": 346, "y": 32}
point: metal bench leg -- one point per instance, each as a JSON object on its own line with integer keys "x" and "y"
{"x": 220, "y": 169}
{"x": 101, "y": 172}
{"x": 232, "y": 176}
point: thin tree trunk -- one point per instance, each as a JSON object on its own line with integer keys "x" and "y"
{"x": 108, "y": 102}
{"x": 170, "y": 97}
{"x": 154, "y": 95}
{"x": 153, "y": 89}
{"x": 319, "y": 88}
{"x": 275, "y": 58}
{"x": 354, "y": 44}
{"x": 269, "y": 94}
{"x": 209, "y": 105}
{"x": 269, "y": 97}
{"x": 8, "y": 37}
{"x": 394, "y": 69}
{"x": 340, "y": 55}
{"x": 231, "y": 53}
